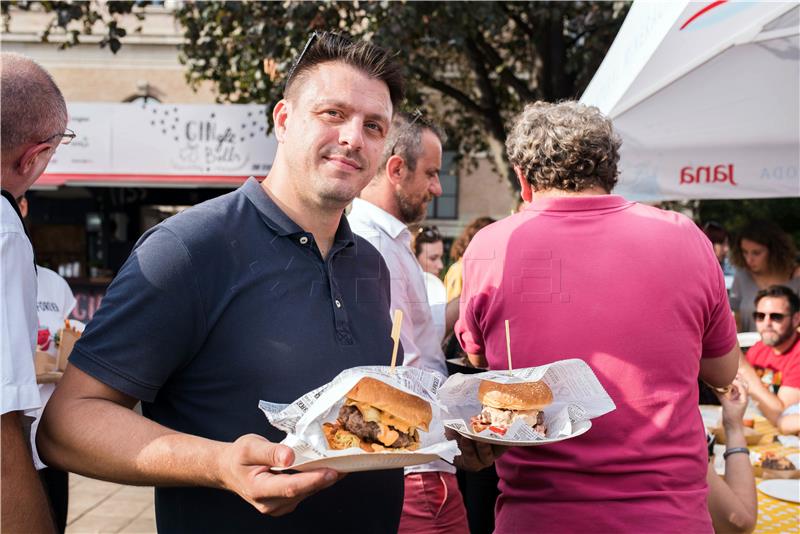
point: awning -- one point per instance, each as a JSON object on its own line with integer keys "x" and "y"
{"x": 162, "y": 145}
{"x": 706, "y": 97}
{"x": 50, "y": 181}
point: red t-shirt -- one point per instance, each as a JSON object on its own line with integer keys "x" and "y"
{"x": 785, "y": 367}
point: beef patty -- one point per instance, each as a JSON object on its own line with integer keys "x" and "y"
{"x": 351, "y": 420}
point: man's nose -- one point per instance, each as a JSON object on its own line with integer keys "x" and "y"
{"x": 351, "y": 134}
{"x": 436, "y": 187}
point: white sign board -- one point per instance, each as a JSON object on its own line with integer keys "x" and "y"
{"x": 155, "y": 142}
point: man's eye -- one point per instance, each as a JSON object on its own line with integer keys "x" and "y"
{"x": 333, "y": 113}
{"x": 374, "y": 126}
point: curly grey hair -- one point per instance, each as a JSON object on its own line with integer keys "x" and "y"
{"x": 405, "y": 138}
{"x": 567, "y": 146}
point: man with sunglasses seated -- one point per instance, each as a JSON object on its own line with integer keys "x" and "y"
{"x": 774, "y": 362}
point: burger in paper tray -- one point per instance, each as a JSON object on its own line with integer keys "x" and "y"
{"x": 367, "y": 418}
{"x": 525, "y": 407}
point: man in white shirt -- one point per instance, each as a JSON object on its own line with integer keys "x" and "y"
{"x": 408, "y": 178}
{"x": 34, "y": 119}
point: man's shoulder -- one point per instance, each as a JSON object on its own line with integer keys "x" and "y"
{"x": 210, "y": 211}
{"x": 794, "y": 350}
{"x": 208, "y": 222}
{"x": 364, "y": 246}
{"x": 9, "y": 220}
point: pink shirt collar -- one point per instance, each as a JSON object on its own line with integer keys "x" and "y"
{"x": 587, "y": 203}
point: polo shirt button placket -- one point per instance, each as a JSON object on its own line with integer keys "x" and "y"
{"x": 338, "y": 303}
{"x": 304, "y": 240}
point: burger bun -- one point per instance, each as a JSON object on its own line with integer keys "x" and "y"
{"x": 517, "y": 396}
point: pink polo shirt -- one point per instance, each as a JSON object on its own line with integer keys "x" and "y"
{"x": 638, "y": 294}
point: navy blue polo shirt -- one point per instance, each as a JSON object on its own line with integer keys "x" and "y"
{"x": 228, "y": 303}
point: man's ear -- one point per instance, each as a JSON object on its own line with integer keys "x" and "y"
{"x": 279, "y": 116}
{"x": 525, "y": 187}
{"x": 30, "y": 161}
{"x": 796, "y": 320}
{"x": 396, "y": 169}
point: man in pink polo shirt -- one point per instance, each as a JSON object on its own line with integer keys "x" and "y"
{"x": 634, "y": 291}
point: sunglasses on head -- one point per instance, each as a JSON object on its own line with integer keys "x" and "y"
{"x": 431, "y": 232}
{"x": 774, "y": 317}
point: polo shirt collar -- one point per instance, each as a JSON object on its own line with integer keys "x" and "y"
{"x": 582, "y": 203}
{"x": 282, "y": 224}
{"x": 384, "y": 220}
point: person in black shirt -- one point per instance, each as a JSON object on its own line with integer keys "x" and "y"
{"x": 263, "y": 293}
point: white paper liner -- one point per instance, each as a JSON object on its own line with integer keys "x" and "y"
{"x": 577, "y": 396}
{"x": 302, "y": 420}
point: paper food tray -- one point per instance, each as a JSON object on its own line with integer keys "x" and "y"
{"x": 578, "y": 397}
{"x": 302, "y": 421}
{"x": 352, "y": 463}
{"x": 581, "y": 427}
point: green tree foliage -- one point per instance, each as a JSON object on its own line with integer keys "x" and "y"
{"x": 469, "y": 65}
{"x": 735, "y": 214}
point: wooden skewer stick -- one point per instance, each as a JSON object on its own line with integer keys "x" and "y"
{"x": 508, "y": 347}
{"x": 396, "y": 323}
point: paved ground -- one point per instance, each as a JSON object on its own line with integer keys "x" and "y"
{"x": 96, "y": 506}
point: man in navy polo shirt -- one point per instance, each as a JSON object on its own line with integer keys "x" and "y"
{"x": 263, "y": 293}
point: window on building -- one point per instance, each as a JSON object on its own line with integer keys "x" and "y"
{"x": 446, "y": 206}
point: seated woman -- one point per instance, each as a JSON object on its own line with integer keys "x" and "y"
{"x": 764, "y": 255}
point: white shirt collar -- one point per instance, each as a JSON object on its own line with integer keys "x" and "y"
{"x": 391, "y": 225}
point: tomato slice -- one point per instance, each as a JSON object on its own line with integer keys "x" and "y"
{"x": 498, "y": 430}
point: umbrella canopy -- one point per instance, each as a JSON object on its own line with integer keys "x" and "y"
{"x": 706, "y": 98}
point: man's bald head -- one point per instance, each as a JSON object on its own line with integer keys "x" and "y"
{"x": 31, "y": 105}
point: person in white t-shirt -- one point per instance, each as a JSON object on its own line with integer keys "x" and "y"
{"x": 34, "y": 121}
{"x": 54, "y": 303}
{"x": 428, "y": 247}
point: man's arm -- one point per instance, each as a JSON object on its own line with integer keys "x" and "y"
{"x": 90, "y": 428}
{"x": 24, "y": 505}
{"x": 720, "y": 371}
{"x": 789, "y": 395}
{"x": 769, "y": 403}
{"x": 478, "y": 360}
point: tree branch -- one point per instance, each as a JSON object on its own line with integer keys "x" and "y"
{"x": 516, "y": 18}
{"x": 448, "y": 90}
{"x": 506, "y": 74}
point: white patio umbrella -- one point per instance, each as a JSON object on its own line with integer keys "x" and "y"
{"x": 706, "y": 97}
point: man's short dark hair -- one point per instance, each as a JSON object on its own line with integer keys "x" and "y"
{"x": 566, "y": 146}
{"x": 777, "y": 291}
{"x": 33, "y": 107}
{"x": 715, "y": 232}
{"x": 374, "y": 61}
{"x": 405, "y": 138}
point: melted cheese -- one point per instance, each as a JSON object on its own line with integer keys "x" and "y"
{"x": 371, "y": 413}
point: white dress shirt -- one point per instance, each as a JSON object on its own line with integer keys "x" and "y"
{"x": 419, "y": 333}
{"x": 18, "y": 323}
{"x": 421, "y": 345}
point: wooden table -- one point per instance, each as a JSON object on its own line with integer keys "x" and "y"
{"x": 774, "y": 515}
